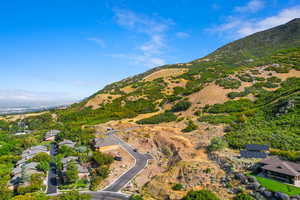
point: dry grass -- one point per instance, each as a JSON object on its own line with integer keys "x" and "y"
{"x": 128, "y": 89}
{"x": 214, "y": 94}
{"x": 284, "y": 76}
{"x": 164, "y": 73}
{"x": 21, "y": 116}
{"x": 101, "y": 99}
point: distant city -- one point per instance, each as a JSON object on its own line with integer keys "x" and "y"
{"x": 27, "y": 109}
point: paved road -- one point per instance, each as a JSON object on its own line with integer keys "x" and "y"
{"x": 52, "y": 181}
{"x": 101, "y": 195}
{"x": 107, "y": 196}
{"x": 140, "y": 164}
{"x": 112, "y": 191}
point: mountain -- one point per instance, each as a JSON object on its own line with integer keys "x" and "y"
{"x": 187, "y": 114}
{"x": 247, "y": 92}
{"x": 260, "y": 44}
{"x": 274, "y": 50}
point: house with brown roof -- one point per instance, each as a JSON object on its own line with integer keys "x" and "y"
{"x": 285, "y": 171}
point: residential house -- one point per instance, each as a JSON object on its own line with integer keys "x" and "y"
{"x": 285, "y": 171}
{"x": 23, "y": 132}
{"x": 23, "y": 168}
{"x": 67, "y": 143}
{"x": 83, "y": 172}
{"x": 104, "y": 144}
{"x": 21, "y": 174}
{"x": 254, "y": 151}
{"x": 50, "y": 135}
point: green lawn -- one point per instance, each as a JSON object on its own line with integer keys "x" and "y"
{"x": 276, "y": 186}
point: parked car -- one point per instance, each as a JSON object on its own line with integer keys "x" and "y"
{"x": 118, "y": 158}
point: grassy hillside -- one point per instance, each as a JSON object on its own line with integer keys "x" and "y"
{"x": 259, "y": 75}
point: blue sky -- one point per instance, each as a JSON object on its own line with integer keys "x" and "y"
{"x": 66, "y": 49}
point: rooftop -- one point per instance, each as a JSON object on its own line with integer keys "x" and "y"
{"x": 280, "y": 166}
{"x": 67, "y": 143}
{"x": 52, "y": 133}
{"x": 102, "y": 142}
{"x": 256, "y": 147}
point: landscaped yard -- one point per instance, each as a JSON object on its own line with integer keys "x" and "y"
{"x": 277, "y": 186}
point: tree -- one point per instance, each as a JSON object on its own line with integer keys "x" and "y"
{"x": 136, "y": 197}
{"x": 73, "y": 195}
{"x": 244, "y": 197}
{"x": 191, "y": 126}
{"x": 5, "y": 193}
{"x": 102, "y": 159}
{"x": 181, "y": 106}
{"x": 31, "y": 196}
{"x": 41, "y": 157}
{"x": 216, "y": 144}
{"x": 71, "y": 173}
{"x": 43, "y": 166}
{"x": 103, "y": 171}
{"x": 200, "y": 195}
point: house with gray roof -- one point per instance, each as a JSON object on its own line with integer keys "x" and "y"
{"x": 20, "y": 172}
{"x": 83, "y": 171}
{"x": 23, "y": 168}
{"x": 100, "y": 144}
{"x": 281, "y": 170}
{"x": 50, "y": 135}
{"x": 68, "y": 143}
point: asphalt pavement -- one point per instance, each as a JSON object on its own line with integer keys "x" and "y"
{"x": 141, "y": 161}
{"x": 112, "y": 191}
{"x": 102, "y": 195}
{"x": 52, "y": 176}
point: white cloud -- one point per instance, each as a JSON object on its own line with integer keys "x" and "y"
{"x": 252, "y": 6}
{"x": 237, "y": 27}
{"x": 282, "y": 17}
{"x": 182, "y": 35}
{"x": 154, "y": 28}
{"x": 98, "y": 41}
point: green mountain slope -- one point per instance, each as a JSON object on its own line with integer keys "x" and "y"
{"x": 266, "y": 62}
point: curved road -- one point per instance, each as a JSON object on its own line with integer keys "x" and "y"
{"x": 111, "y": 192}
{"x": 141, "y": 161}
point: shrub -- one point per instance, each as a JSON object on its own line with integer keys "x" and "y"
{"x": 177, "y": 186}
{"x": 190, "y": 126}
{"x": 41, "y": 157}
{"x": 135, "y": 197}
{"x": 200, "y": 195}
{"x": 43, "y": 166}
{"x": 245, "y": 77}
{"x": 156, "y": 119}
{"x": 181, "y": 106}
{"x": 102, "y": 158}
{"x": 73, "y": 195}
{"x": 218, "y": 119}
{"x": 244, "y": 197}
{"x": 217, "y": 143}
{"x": 231, "y": 106}
{"x": 229, "y": 83}
{"x": 289, "y": 155}
{"x": 71, "y": 173}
